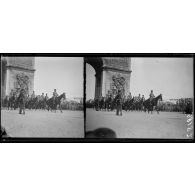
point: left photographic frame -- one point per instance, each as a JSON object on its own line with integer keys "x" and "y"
{"x": 42, "y": 98}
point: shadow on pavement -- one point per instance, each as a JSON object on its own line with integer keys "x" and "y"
{"x": 3, "y": 133}
{"x": 101, "y": 133}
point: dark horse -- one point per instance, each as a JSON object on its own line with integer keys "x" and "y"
{"x": 52, "y": 104}
{"x": 149, "y": 105}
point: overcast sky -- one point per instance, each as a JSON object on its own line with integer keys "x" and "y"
{"x": 173, "y": 77}
{"x": 65, "y": 74}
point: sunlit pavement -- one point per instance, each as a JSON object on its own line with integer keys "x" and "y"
{"x": 69, "y": 124}
{"x": 139, "y": 124}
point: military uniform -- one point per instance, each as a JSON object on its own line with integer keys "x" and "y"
{"x": 46, "y": 97}
{"x": 42, "y": 97}
{"x": 129, "y": 97}
{"x": 21, "y": 98}
{"x": 55, "y": 95}
{"x": 151, "y": 96}
{"x": 118, "y": 99}
{"x": 33, "y": 95}
{"x": 97, "y": 104}
{"x": 139, "y": 98}
{"x": 11, "y": 93}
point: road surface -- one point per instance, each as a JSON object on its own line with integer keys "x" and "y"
{"x": 69, "y": 124}
{"x": 139, "y": 124}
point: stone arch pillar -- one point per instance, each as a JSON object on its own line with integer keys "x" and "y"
{"x": 3, "y": 78}
{"x": 98, "y": 84}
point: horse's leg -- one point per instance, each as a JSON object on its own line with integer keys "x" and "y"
{"x": 60, "y": 108}
{"x": 23, "y": 110}
{"x": 157, "y": 110}
{"x": 20, "y": 110}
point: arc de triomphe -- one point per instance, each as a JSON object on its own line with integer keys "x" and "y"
{"x": 111, "y": 73}
{"x": 17, "y": 73}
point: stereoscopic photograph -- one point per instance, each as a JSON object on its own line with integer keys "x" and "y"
{"x": 139, "y": 97}
{"x": 42, "y": 97}
{"x": 97, "y": 97}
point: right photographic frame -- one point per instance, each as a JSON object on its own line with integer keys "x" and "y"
{"x": 139, "y": 97}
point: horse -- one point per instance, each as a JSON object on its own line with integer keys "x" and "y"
{"x": 149, "y": 105}
{"x": 52, "y": 104}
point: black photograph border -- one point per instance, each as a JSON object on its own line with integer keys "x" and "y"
{"x": 98, "y": 140}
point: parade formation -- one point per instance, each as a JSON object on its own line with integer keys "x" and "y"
{"x": 121, "y": 102}
{"x": 23, "y": 100}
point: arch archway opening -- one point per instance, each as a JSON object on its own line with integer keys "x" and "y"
{"x": 90, "y": 82}
{"x": 94, "y": 77}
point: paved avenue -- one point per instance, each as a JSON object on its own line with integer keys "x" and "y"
{"x": 140, "y": 124}
{"x": 69, "y": 124}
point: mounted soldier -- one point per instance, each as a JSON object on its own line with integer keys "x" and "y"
{"x": 139, "y": 98}
{"x": 46, "y": 97}
{"x": 42, "y": 101}
{"x": 55, "y": 95}
{"x": 143, "y": 98}
{"x": 142, "y": 102}
{"x": 33, "y": 95}
{"x": 129, "y": 97}
{"x": 152, "y": 96}
{"x": 42, "y": 97}
{"x": 45, "y": 101}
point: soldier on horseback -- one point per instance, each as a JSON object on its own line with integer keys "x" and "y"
{"x": 46, "y": 97}
{"x": 142, "y": 102}
{"x": 33, "y": 95}
{"x": 139, "y": 98}
{"x": 152, "y": 96}
{"x": 129, "y": 97}
{"x": 42, "y": 101}
{"x": 143, "y": 98}
{"x": 55, "y": 95}
{"x": 42, "y": 97}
